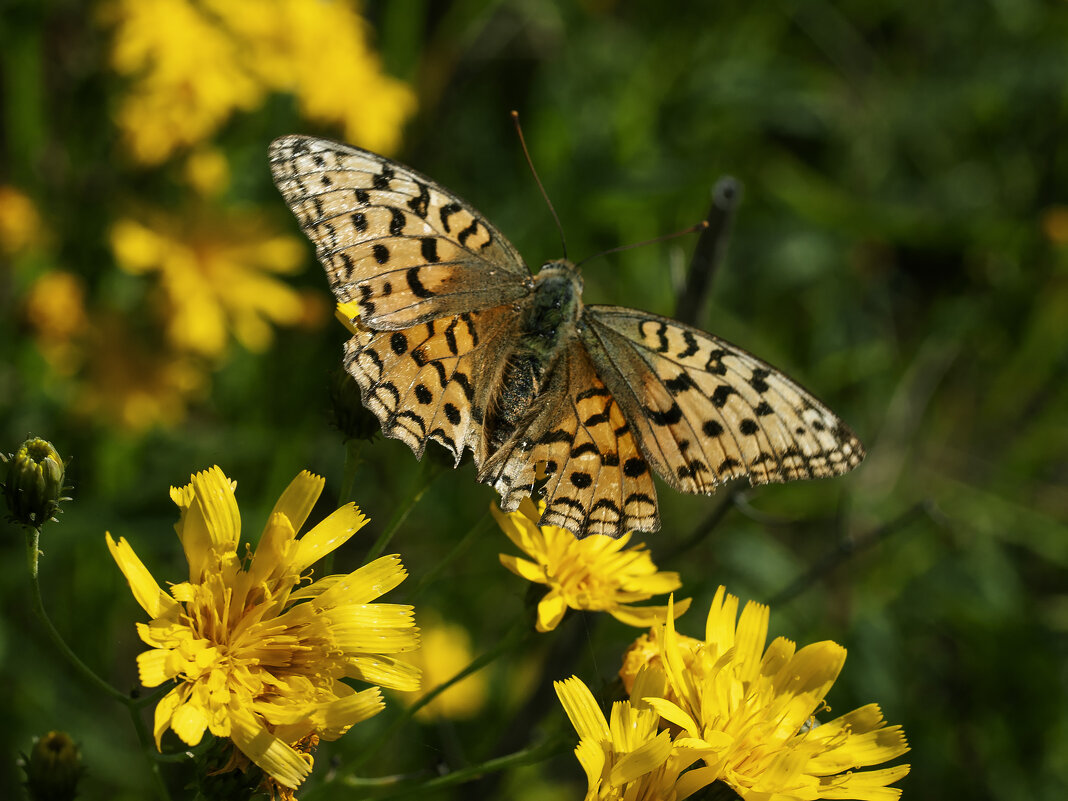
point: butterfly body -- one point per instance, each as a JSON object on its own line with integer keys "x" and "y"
{"x": 456, "y": 342}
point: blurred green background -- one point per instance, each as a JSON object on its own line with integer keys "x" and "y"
{"x": 901, "y": 249}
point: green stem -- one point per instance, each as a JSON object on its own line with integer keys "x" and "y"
{"x": 148, "y": 746}
{"x": 527, "y": 756}
{"x": 419, "y": 487}
{"x": 348, "y": 478}
{"x": 485, "y": 522}
{"x": 518, "y": 633}
{"x": 32, "y": 541}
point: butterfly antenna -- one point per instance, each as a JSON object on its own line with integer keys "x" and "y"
{"x": 544, "y": 194}
{"x": 692, "y": 229}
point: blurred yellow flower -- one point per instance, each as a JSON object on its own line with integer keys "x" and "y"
{"x": 129, "y": 383}
{"x": 193, "y": 64}
{"x": 117, "y": 376}
{"x": 207, "y": 171}
{"x": 596, "y": 573}
{"x": 1055, "y": 224}
{"x": 54, "y": 309}
{"x": 217, "y": 278}
{"x": 752, "y": 712}
{"x": 20, "y": 224}
{"x": 627, "y": 759}
{"x": 444, "y": 651}
{"x": 257, "y": 657}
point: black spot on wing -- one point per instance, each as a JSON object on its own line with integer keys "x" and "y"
{"x": 381, "y": 253}
{"x": 691, "y": 345}
{"x": 757, "y": 382}
{"x": 668, "y": 417}
{"x": 382, "y": 180}
{"x": 396, "y": 222}
{"x": 447, "y": 211}
{"x": 721, "y": 394}
{"x": 421, "y": 203}
{"x": 414, "y": 285}
{"x": 428, "y": 245}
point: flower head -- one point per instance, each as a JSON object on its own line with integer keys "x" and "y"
{"x": 445, "y": 650}
{"x": 753, "y": 710}
{"x": 53, "y": 768}
{"x": 257, "y": 657}
{"x": 597, "y": 573}
{"x": 33, "y": 485}
{"x": 628, "y": 758}
{"x": 216, "y": 278}
{"x": 192, "y": 65}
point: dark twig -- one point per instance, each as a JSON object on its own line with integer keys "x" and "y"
{"x": 848, "y": 547}
{"x": 711, "y": 248}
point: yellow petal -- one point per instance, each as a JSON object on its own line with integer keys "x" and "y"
{"x": 299, "y": 497}
{"x": 165, "y": 709}
{"x": 145, "y": 589}
{"x": 646, "y": 616}
{"x": 644, "y": 759}
{"x": 674, "y": 714}
{"x": 384, "y": 671}
{"x": 582, "y": 710}
{"x": 153, "y": 667}
{"x": 693, "y": 780}
{"x": 189, "y": 722}
{"x": 590, "y": 755}
{"x": 550, "y": 611}
{"x": 524, "y": 568}
{"x": 348, "y": 314}
{"x": 865, "y": 785}
{"x": 331, "y": 533}
{"x": 365, "y": 584}
{"x": 285, "y": 765}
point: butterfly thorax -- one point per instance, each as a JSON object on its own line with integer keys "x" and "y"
{"x": 550, "y": 315}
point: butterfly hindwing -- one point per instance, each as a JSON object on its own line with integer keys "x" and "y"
{"x": 404, "y": 248}
{"x": 598, "y": 481}
{"x": 434, "y": 380}
{"x": 706, "y": 411}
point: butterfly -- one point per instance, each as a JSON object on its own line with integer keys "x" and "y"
{"x": 457, "y": 342}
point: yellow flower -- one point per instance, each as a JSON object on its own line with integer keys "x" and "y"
{"x": 132, "y": 384}
{"x": 217, "y": 278}
{"x": 20, "y": 224}
{"x": 753, "y": 711}
{"x": 596, "y": 573}
{"x": 193, "y": 64}
{"x": 628, "y": 760}
{"x": 444, "y": 651}
{"x": 54, "y": 308}
{"x": 257, "y": 657}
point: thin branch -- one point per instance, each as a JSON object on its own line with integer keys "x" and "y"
{"x": 846, "y": 548}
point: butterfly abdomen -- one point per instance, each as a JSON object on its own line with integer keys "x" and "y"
{"x": 549, "y": 317}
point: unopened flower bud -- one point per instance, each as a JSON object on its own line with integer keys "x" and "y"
{"x": 350, "y": 416}
{"x": 53, "y": 768}
{"x": 33, "y": 487}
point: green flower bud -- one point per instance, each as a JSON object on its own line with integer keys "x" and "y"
{"x": 350, "y": 416}
{"x": 53, "y": 768}
{"x": 34, "y": 484}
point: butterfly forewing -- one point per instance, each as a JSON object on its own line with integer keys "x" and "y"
{"x": 707, "y": 411}
{"x": 598, "y": 482}
{"x": 404, "y": 248}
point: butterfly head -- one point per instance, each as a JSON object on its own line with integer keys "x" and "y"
{"x": 555, "y": 306}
